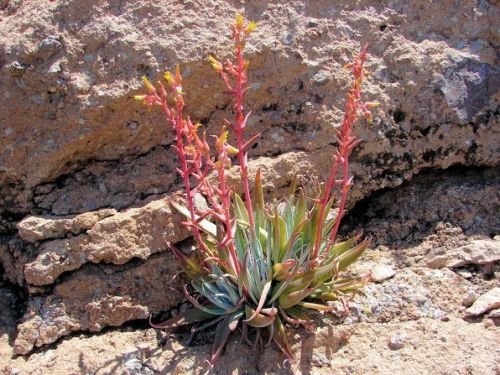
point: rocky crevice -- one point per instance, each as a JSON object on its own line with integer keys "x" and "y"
{"x": 62, "y": 265}
{"x": 86, "y": 173}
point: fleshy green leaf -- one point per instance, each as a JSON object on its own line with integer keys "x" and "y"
{"x": 316, "y": 306}
{"x": 341, "y": 247}
{"x": 351, "y": 255}
{"x": 262, "y": 319}
{"x": 189, "y": 264}
{"x": 240, "y": 210}
{"x": 222, "y": 333}
{"x": 287, "y": 300}
{"x": 265, "y": 291}
{"x": 258, "y": 191}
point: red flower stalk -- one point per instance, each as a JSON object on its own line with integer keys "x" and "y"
{"x": 340, "y": 160}
{"x": 234, "y": 75}
{"x": 195, "y": 162}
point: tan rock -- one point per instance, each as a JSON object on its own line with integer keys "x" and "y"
{"x": 479, "y": 252}
{"x": 134, "y": 233}
{"x": 486, "y": 302}
{"x": 35, "y": 228}
{"x": 381, "y": 272}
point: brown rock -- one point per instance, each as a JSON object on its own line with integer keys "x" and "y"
{"x": 85, "y": 114}
{"x": 134, "y": 233}
{"x": 99, "y": 296}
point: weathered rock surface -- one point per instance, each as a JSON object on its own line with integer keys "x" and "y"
{"x": 439, "y": 211}
{"x": 35, "y": 228}
{"x": 93, "y": 148}
{"x": 478, "y": 252}
{"x": 100, "y": 296}
{"x": 134, "y": 233}
{"x": 84, "y": 221}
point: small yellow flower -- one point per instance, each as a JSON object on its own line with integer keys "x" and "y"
{"x": 251, "y": 27}
{"x": 221, "y": 140}
{"x": 240, "y": 21}
{"x": 168, "y": 77}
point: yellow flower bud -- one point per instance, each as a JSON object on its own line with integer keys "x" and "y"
{"x": 216, "y": 64}
{"x": 239, "y": 22}
{"x": 149, "y": 86}
{"x": 371, "y": 105}
{"x": 232, "y": 150}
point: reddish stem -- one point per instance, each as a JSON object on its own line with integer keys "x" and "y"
{"x": 341, "y": 157}
{"x": 225, "y": 197}
{"x": 239, "y": 126}
{"x": 177, "y": 121}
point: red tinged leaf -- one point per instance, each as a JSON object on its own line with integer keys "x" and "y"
{"x": 224, "y": 329}
{"x": 280, "y": 339}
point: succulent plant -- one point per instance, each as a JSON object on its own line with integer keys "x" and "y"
{"x": 257, "y": 265}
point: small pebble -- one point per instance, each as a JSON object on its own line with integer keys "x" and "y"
{"x": 133, "y": 125}
{"x": 55, "y": 68}
{"x": 464, "y": 273}
{"x": 469, "y": 298}
{"x": 381, "y": 272}
{"x": 494, "y": 314}
{"x": 397, "y": 342}
{"x": 319, "y": 360}
{"x": 50, "y": 45}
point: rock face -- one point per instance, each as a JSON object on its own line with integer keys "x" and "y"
{"x": 86, "y": 174}
{"x": 134, "y": 233}
{"x": 100, "y": 296}
{"x": 34, "y": 228}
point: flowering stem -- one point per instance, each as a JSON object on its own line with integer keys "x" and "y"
{"x": 225, "y": 196}
{"x": 341, "y": 156}
{"x": 177, "y": 121}
{"x": 239, "y": 126}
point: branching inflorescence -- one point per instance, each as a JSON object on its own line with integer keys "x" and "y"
{"x": 258, "y": 264}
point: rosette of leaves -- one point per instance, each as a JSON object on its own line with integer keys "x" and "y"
{"x": 277, "y": 282}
